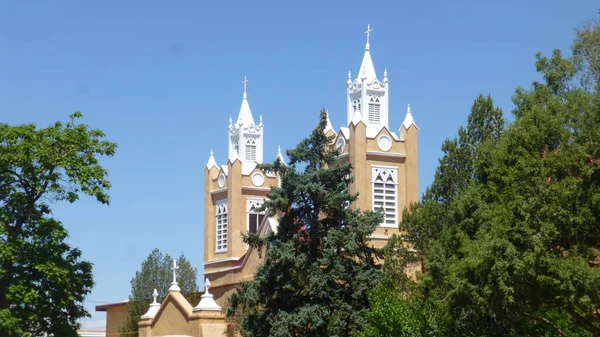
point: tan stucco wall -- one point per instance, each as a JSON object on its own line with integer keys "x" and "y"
{"x": 176, "y": 317}
{"x": 238, "y": 188}
{"x": 173, "y": 320}
{"x": 115, "y": 317}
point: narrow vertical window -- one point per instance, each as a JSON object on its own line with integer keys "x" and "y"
{"x": 251, "y": 149}
{"x": 221, "y": 223}
{"x": 374, "y": 109}
{"x": 385, "y": 194}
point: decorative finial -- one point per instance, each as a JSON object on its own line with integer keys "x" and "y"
{"x": 206, "y": 286}
{"x": 368, "y": 32}
{"x": 349, "y": 75}
{"x": 154, "y": 307}
{"x": 245, "y": 82}
{"x": 384, "y": 72}
{"x": 279, "y": 149}
{"x": 211, "y": 152}
{"x": 230, "y": 121}
{"x": 174, "y": 286}
{"x": 260, "y": 118}
{"x": 207, "y": 301}
{"x": 154, "y": 296}
{"x": 408, "y": 108}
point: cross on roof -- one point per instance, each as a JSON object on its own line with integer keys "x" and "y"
{"x": 175, "y": 271}
{"x": 368, "y": 32}
{"x": 245, "y": 82}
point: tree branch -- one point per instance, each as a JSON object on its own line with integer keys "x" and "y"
{"x": 547, "y": 322}
{"x": 585, "y": 323}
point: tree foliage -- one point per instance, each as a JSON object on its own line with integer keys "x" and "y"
{"x": 319, "y": 266}
{"x": 157, "y": 273}
{"x": 43, "y": 281}
{"x": 586, "y": 53}
{"x": 509, "y": 231}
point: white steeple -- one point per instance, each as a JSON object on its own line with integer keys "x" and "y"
{"x": 245, "y": 115}
{"x": 367, "y": 96}
{"x": 367, "y": 70}
{"x": 246, "y": 137}
{"x": 211, "y": 161}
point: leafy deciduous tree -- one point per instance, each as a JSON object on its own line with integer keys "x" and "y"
{"x": 43, "y": 280}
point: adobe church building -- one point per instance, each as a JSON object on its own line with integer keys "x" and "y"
{"x": 385, "y": 166}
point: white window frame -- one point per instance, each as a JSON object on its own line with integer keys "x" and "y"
{"x": 251, "y": 147}
{"x": 221, "y": 226}
{"x": 388, "y": 195}
{"x": 374, "y": 109}
{"x": 250, "y": 203}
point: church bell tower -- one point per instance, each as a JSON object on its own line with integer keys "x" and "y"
{"x": 385, "y": 162}
{"x": 232, "y": 190}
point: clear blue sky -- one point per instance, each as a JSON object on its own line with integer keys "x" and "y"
{"x": 162, "y": 79}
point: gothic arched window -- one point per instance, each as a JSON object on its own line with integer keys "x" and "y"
{"x": 374, "y": 109}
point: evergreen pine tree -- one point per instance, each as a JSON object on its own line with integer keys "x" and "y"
{"x": 319, "y": 265}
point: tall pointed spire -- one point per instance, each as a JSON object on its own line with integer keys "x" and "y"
{"x": 245, "y": 115}
{"x": 329, "y": 126}
{"x": 367, "y": 69}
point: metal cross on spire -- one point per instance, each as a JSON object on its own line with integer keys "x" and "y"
{"x": 175, "y": 271}
{"x": 245, "y": 82}
{"x": 174, "y": 286}
{"x": 368, "y": 32}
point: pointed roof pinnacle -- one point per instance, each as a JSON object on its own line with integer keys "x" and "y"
{"x": 245, "y": 115}
{"x": 409, "y": 120}
{"x": 367, "y": 69}
{"x": 279, "y": 155}
{"x": 211, "y": 161}
{"x": 154, "y": 306}
{"x": 329, "y": 125}
{"x": 207, "y": 301}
